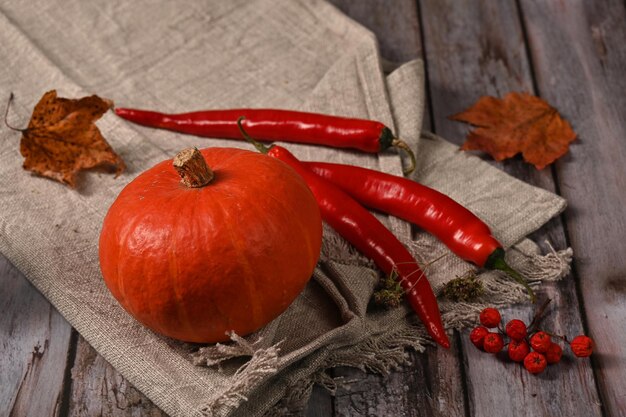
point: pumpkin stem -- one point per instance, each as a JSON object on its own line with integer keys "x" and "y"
{"x": 192, "y": 168}
{"x": 258, "y": 145}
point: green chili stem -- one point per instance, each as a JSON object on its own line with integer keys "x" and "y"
{"x": 258, "y": 145}
{"x": 501, "y": 265}
{"x": 400, "y": 144}
{"x": 496, "y": 261}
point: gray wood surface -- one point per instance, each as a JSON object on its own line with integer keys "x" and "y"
{"x": 570, "y": 53}
{"x": 35, "y": 341}
{"x": 474, "y": 50}
{"x": 579, "y": 58}
{"x": 99, "y": 390}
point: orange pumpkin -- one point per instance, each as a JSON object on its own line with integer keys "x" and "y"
{"x": 192, "y": 260}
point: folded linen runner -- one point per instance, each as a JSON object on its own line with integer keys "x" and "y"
{"x": 265, "y": 53}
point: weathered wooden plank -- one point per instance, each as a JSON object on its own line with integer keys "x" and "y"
{"x": 421, "y": 389}
{"x": 320, "y": 403}
{"x": 35, "y": 342}
{"x": 393, "y": 395}
{"x": 99, "y": 390}
{"x": 579, "y": 62}
{"x": 432, "y": 385}
{"x": 475, "y": 49}
{"x": 396, "y": 26}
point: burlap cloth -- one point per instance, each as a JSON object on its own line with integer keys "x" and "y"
{"x": 179, "y": 56}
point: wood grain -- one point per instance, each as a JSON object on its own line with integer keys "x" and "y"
{"x": 421, "y": 389}
{"x": 579, "y": 62}
{"x": 35, "y": 345}
{"x": 99, "y": 390}
{"x": 320, "y": 404}
{"x": 475, "y": 49}
{"x": 396, "y": 26}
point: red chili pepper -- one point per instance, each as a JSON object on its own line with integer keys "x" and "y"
{"x": 457, "y": 227}
{"x": 370, "y": 237}
{"x": 272, "y": 125}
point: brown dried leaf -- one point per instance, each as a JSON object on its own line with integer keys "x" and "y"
{"x": 62, "y": 139}
{"x": 518, "y": 123}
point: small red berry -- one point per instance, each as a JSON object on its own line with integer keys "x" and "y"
{"x": 477, "y": 336}
{"x": 518, "y": 350}
{"x": 582, "y": 346}
{"x": 516, "y": 329}
{"x": 554, "y": 353}
{"x": 493, "y": 342}
{"x": 490, "y": 317}
{"x": 540, "y": 342}
{"x": 535, "y": 362}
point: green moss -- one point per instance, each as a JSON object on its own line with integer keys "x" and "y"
{"x": 465, "y": 288}
{"x": 389, "y": 293}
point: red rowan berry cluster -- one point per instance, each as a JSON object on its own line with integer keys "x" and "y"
{"x": 527, "y": 344}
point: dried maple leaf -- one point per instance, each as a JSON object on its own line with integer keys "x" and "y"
{"x": 518, "y": 123}
{"x": 62, "y": 139}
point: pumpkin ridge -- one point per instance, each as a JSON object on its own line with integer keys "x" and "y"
{"x": 239, "y": 250}
{"x": 121, "y": 287}
{"x": 194, "y": 202}
{"x": 146, "y": 290}
{"x": 181, "y": 312}
{"x": 290, "y": 211}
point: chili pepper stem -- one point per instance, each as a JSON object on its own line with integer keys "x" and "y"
{"x": 400, "y": 144}
{"x": 496, "y": 261}
{"x": 258, "y": 145}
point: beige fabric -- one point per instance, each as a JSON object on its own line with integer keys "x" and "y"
{"x": 178, "y": 56}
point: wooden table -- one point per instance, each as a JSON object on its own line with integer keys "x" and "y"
{"x": 569, "y": 53}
